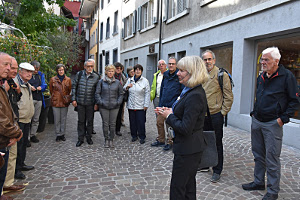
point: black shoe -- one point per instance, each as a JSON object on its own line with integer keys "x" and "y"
{"x": 89, "y": 141}
{"x": 79, "y": 143}
{"x": 133, "y": 139}
{"x": 269, "y": 196}
{"x": 63, "y": 138}
{"x": 19, "y": 175}
{"x": 118, "y": 133}
{"x": 28, "y": 144}
{"x": 94, "y": 132}
{"x": 253, "y": 186}
{"x": 167, "y": 147}
{"x": 142, "y": 141}
{"x": 57, "y": 139}
{"x": 157, "y": 143}
{"x": 27, "y": 168}
{"x": 34, "y": 139}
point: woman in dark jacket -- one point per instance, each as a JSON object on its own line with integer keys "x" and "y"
{"x": 186, "y": 117}
{"x": 60, "y": 86}
{"x": 109, "y": 96}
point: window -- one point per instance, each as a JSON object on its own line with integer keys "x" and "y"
{"x": 106, "y": 58}
{"x": 115, "y": 23}
{"x": 181, "y": 54}
{"x": 136, "y": 60}
{"x": 130, "y": 62}
{"x": 102, "y": 4}
{"x": 108, "y": 1}
{"x": 290, "y": 57}
{"x": 126, "y": 63}
{"x": 100, "y": 64}
{"x": 176, "y": 7}
{"x": 115, "y": 55}
{"x": 171, "y": 55}
{"x": 101, "y": 31}
{"x": 147, "y": 11}
{"x": 107, "y": 28}
{"x": 128, "y": 26}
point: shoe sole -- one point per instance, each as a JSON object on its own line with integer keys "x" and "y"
{"x": 253, "y": 189}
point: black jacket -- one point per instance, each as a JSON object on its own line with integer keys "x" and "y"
{"x": 276, "y": 96}
{"x": 13, "y": 96}
{"x": 188, "y": 121}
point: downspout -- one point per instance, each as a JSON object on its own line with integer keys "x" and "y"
{"x": 160, "y": 28}
{"x": 97, "y": 38}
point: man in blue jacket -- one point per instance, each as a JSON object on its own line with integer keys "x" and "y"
{"x": 276, "y": 102}
{"x": 38, "y": 86}
{"x": 170, "y": 90}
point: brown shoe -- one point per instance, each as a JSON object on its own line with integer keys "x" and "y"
{"x": 5, "y": 197}
{"x": 14, "y": 188}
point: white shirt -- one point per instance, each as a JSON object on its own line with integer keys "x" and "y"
{"x": 158, "y": 84}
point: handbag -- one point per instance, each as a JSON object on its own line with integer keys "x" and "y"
{"x": 210, "y": 154}
{"x": 67, "y": 99}
{"x": 126, "y": 94}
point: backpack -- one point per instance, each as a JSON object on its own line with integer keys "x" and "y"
{"x": 220, "y": 79}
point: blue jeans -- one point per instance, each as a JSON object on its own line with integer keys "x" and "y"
{"x": 137, "y": 119}
{"x": 217, "y": 122}
{"x": 4, "y": 168}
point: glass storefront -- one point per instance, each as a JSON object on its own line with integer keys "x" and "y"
{"x": 290, "y": 56}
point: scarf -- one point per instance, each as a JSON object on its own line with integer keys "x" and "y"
{"x": 61, "y": 78}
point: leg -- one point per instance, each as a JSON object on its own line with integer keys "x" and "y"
{"x": 57, "y": 120}
{"x": 217, "y": 121}
{"x": 273, "y": 141}
{"x": 133, "y": 125}
{"x": 89, "y": 115}
{"x": 112, "y": 122}
{"x": 259, "y": 152}
{"x": 36, "y": 117}
{"x": 11, "y": 166}
{"x": 140, "y": 121}
{"x": 160, "y": 123}
{"x": 81, "y": 122}
{"x": 63, "y": 120}
{"x": 3, "y": 169}
{"x": 119, "y": 117}
{"x": 105, "y": 119}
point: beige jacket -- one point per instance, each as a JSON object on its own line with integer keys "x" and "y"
{"x": 26, "y": 107}
{"x": 216, "y": 100}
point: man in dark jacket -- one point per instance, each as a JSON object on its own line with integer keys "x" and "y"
{"x": 83, "y": 97}
{"x": 276, "y": 102}
{"x": 170, "y": 90}
{"x": 10, "y": 132}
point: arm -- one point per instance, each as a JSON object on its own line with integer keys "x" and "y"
{"x": 7, "y": 127}
{"x": 147, "y": 95}
{"x": 74, "y": 86}
{"x": 227, "y": 95}
{"x": 194, "y": 105}
{"x": 161, "y": 90}
{"x": 153, "y": 88}
{"x": 43, "y": 82}
{"x": 120, "y": 94}
{"x": 98, "y": 93}
{"x": 51, "y": 86}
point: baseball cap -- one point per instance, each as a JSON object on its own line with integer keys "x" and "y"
{"x": 27, "y": 66}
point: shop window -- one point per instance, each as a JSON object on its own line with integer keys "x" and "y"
{"x": 290, "y": 56}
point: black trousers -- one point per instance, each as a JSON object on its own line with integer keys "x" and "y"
{"x": 183, "y": 182}
{"x": 218, "y": 121}
{"x": 85, "y": 121}
{"x": 22, "y": 145}
{"x": 119, "y": 117}
{"x": 137, "y": 120}
{"x": 3, "y": 170}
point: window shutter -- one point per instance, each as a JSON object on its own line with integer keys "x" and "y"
{"x": 155, "y": 12}
{"x": 138, "y": 20}
{"x": 123, "y": 29}
{"x": 134, "y": 22}
{"x": 165, "y": 10}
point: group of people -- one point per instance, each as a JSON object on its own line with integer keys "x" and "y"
{"x": 182, "y": 93}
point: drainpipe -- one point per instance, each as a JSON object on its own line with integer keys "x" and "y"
{"x": 160, "y": 28}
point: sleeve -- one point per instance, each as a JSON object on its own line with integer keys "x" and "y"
{"x": 98, "y": 93}
{"x": 147, "y": 94}
{"x": 227, "y": 95}
{"x": 7, "y": 127}
{"x": 120, "y": 94}
{"x": 74, "y": 86}
{"x": 161, "y": 90}
{"x": 292, "y": 98}
{"x": 127, "y": 82}
{"x": 43, "y": 82}
{"x": 153, "y": 88}
{"x": 51, "y": 86}
{"x": 194, "y": 105}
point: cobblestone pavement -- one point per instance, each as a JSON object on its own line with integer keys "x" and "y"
{"x": 133, "y": 171}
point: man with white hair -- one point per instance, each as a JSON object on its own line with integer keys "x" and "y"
{"x": 26, "y": 111}
{"x": 276, "y": 102}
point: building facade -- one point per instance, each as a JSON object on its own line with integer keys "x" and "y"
{"x": 237, "y": 31}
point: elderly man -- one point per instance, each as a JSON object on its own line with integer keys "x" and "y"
{"x": 170, "y": 90}
{"x": 38, "y": 86}
{"x": 83, "y": 98}
{"x": 14, "y": 95}
{"x": 10, "y": 132}
{"x": 156, "y": 83}
{"x": 26, "y": 111}
{"x": 219, "y": 102}
{"x": 276, "y": 102}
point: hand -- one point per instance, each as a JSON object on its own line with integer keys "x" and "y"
{"x": 74, "y": 103}
{"x": 279, "y": 121}
{"x": 96, "y": 107}
{"x": 145, "y": 108}
{"x": 33, "y": 88}
{"x": 19, "y": 138}
{"x": 163, "y": 111}
{"x": 2, "y": 154}
{"x": 6, "y": 86}
{"x": 18, "y": 88}
{"x": 39, "y": 88}
{"x": 129, "y": 86}
{"x": 12, "y": 141}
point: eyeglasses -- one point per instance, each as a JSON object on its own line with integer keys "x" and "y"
{"x": 90, "y": 66}
{"x": 162, "y": 64}
{"x": 171, "y": 63}
{"x": 207, "y": 59}
{"x": 264, "y": 60}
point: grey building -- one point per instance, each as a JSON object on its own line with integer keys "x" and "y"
{"x": 237, "y": 31}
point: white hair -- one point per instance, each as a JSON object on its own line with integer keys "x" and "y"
{"x": 89, "y": 60}
{"x": 163, "y": 62}
{"x": 274, "y": 51}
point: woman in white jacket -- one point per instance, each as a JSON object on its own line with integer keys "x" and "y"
{"x": 138, "y": 103}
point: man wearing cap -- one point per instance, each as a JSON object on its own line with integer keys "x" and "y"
{"x": 38, "y": 86}
{"x": 26, "y": 111}
{"x": 10, "y": 132}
